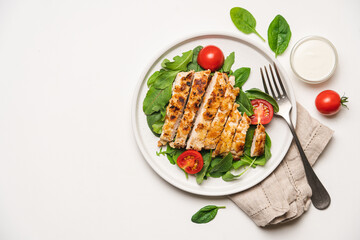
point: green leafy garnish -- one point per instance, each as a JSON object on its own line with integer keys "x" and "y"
{"x": 194, "y": 65}
{"x": 228, "y": 176}
{"x": 229, "y": 61}
{"x": 207, "y": 160}
{"x": 172, "y": 154}
{"x": 156, "y": 99}
{"x": 279, "y": 35}
{"x": 205, "y": 214}
{"x": 241, "y": 76}
{"x": 245, "y": 105}
{"x": 255, "y": 93}
{"x": 180, "y": 63}
{"x": 222, "y": 166}
{"x": 244, "y": 21}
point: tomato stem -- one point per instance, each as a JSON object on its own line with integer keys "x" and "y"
{"x": 344, "y": 100}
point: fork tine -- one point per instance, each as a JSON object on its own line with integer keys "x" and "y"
{"x": 274, "y": 81}
{"x": 263, "y": 81}
{"x": 280, "y": 81}
{"x": 268, "y": 79}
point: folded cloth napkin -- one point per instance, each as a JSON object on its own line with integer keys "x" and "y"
{"x": 285, "y": 194}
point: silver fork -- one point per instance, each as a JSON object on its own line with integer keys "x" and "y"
{"x": 320, "y": 197}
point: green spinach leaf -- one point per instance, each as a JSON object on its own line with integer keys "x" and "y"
{"x": 229, "y": 61}
{"x": 194, "y": 65}
{"x": 244, "y": 104}
{"x": 255, "y": 93}
{"x": 201, "y": 175}
{"x": 153, "y": 119}
{"x": 244, "y": 21}
{"x": 165, "y": 79}
{"x": 241, "y": 76}
{"x": 180, "y": 62}
{"x": 227, "y": 177}
{"x": 279, "y": 35}
{"x": 156, "y": 99}
{"x": 205, "y": 214}
{"x": 222, "y": 166}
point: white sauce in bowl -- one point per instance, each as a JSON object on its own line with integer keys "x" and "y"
{"x": 313, "y": 59}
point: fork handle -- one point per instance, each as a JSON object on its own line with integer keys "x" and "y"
{"x": 320, "y": 197}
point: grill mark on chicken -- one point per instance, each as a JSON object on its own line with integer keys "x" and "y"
{"x": 217, "y": 125}
{"x": 211, "y": 102}
{"x": 238, "y": 144}
{"x": 199, "y": 85}
{"x": 175, "y": 109}
{"x": 224, "y": 145}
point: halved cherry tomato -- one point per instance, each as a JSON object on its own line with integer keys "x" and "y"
{"x": 211, "y": 57}
{"x": 263, "y": 111}
{"x": 190, "y": 161}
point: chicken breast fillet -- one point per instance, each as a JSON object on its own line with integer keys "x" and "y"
{"x": 224, "y": 145}
{"x": 200, "y": 82}
{"x": 258, "y": 143}
{"x": 217, "y": 125}
{"x": 237, "y": 146}
{"x": 211, "y": 102}
{"x": 175, "y": 109}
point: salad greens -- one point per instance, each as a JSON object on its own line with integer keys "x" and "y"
{"x": 193, "y": 65}
{"x": 244, "y": 21}
{"x": 241, "y": 76}
{"x": 279, "y": 35}
{"x": 229, "y": 61}
{"x": 205, "y": 214}
{"x": 179, "y": 63}
{"x": 255, "y": 93}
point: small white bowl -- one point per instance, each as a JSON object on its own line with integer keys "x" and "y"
{"x": 313, "y": 59}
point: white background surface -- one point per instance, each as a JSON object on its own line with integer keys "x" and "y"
{"x": 69, "y": 165}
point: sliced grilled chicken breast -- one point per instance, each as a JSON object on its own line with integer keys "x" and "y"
{"x": 200, "y": 82}
{"x": 258, "y": 143}
{"x": 237, "y": 146}
{"x": 227, "y": 135}
{"x": 175, "y": 109}
{"x": 211, "y": 102}
{"x": 217, "y": 125}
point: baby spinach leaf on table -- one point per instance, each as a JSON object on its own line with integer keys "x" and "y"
{"x": 156, "y": 99}
{"x": 201, "y": 175}
{"x": 194, "y": 65}
{"x": 205, "y": 214}
{"x": 244, "y": 21}
{"x": 244, "y": 104}
{"x": 229, "y": 61}
{"x": 255, "y": 93}
{"x": 279, "y": 35}
{"x": 241, "y": 76}
{"x": 180, "y": 62}
{"x": 165, "y": 79}
{"x": 222, "y": 166}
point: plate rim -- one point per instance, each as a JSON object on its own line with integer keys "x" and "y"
{"x": 160, "y": 55}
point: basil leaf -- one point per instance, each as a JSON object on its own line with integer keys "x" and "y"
{"x": 201, "y": 175}
{"x": 244, "y": 21}
{"x": 255, "y": 93}
{"x": 279, "y": 35}
{"x": 180, "y": 63}
{"x": 222, "y": 166}
{"x": 194, "y": 65}
{"x": 165, "y": 79}
{"x": 244, "y": 104}
{"x": 156, "y": 99}
{"x": 241, "y": 76}
{"x": 205, "y": 214}
{"x": 229, "y": 61}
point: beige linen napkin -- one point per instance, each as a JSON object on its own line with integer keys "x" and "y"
{"x": 285, "y": 194}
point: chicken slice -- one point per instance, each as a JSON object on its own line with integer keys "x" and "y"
{"x": 237, "y": 146}
{"x": 258, "y": 143}
{"x": 175, "y": 109}
{"x": 224, "y": 145}
{"x": 211, "y": 102}
{"x": 217, "y": 125}
{"x": 200, "y": 82}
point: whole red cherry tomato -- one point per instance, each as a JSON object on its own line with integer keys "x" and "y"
{"x": 211, "y": 57}
{"x": 328, "y": 102}
{"x": 190, "y": 161}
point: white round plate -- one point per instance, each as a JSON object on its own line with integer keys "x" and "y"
{"x": 247, "y": 54}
